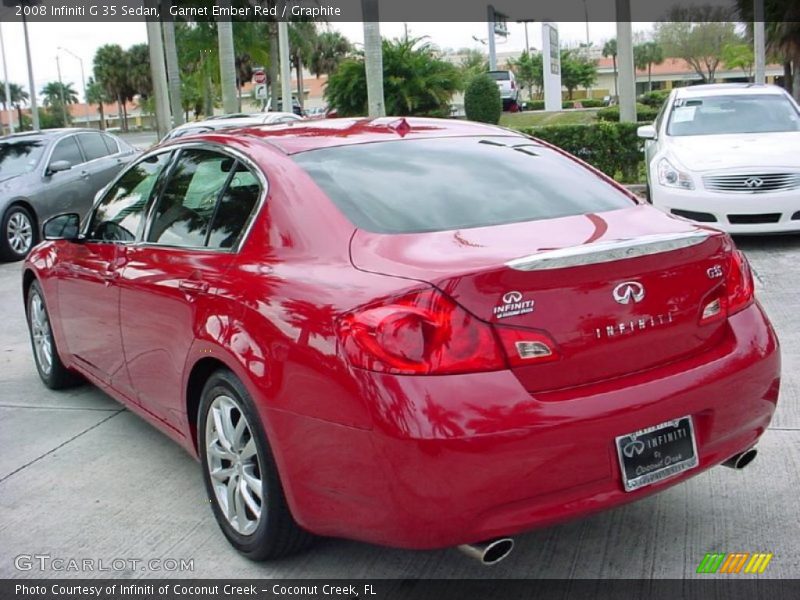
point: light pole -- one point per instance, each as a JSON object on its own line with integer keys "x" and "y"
{"x": 7, "y": 85}
{"x": 61, "y": 92}
{"x": 83, "y": 82}
{"x": 34, "y": 108}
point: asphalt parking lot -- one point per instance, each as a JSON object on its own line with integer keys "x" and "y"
{"x": 80, "y": 477}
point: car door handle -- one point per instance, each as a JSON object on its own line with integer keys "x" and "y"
{"x": 192, "y": 286}
{"x": 84, "y": 174}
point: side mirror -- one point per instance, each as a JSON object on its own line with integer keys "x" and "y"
{"x": 647, "y": 132}
{"x": 62, "y": 227}
{"x": 58, "y": 165}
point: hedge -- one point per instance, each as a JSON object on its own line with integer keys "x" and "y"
{"x": 655, "y": 98}
{"x": 644, "y": 113}
{"x": 585, "y": 103}
{"x": 482, "y": 100}
{"x": 613, "y": 148}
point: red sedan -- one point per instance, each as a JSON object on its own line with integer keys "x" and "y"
{"x": 411, "y": 332}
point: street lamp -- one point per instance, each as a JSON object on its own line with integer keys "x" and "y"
{"x": 83, "y": 82}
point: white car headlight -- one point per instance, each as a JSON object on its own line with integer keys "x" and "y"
{"x": 669, "y": 176}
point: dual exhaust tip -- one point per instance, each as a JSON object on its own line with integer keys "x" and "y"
{"x": 741, "y": 460}
{"x": 493, "y": 551}
{"x": 489, "y": 552}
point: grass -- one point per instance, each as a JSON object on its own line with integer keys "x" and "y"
{"x": 540, "y": 118}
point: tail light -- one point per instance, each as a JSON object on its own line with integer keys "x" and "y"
{"x": 735, "y": 295}
{"x": 513, "y": 85}
{"x": 739, "y": 284}
{"x": 427, "y": 333}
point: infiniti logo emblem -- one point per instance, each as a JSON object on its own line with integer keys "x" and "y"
{"x": 511, "y": 297}
{"x": 754, "y": 182}
{"x": 633, "y": 447}
{"x": 629, "y": 291}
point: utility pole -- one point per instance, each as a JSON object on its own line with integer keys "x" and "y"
{"x": 525, "y": 23}
{"x": 7, "y": 85}
{"x": 61, "y": 92}
{"x": 158, "y": 73}
{"x": 83, "y": 83}
{"x": 286, "y": 67}
{"x": 173, "y": 72}
{"x": 492, "y": 51}
{"x": 627, "y": 72}
{"x": 34, "y": 108}
{"x": 759, "y": 43}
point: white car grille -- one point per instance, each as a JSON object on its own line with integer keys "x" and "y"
{"x": 752, "y": 183}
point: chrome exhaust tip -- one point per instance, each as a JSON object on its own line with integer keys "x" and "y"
{"x": 489, "y": 552}
{"x": 740, "y": 461}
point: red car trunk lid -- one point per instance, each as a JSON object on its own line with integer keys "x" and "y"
{"x": 618, "y": 292}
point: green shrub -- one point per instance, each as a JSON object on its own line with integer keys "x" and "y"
{"x": 482, "y": 100}
{"x": 654, "y": 99}
{"x": 644, "y": 113}
{"x": 584, "y": 103}
{"x": 534, "y": 105}
{"x": 613, "y": 148}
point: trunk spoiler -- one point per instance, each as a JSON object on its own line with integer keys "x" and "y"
{"x": 608, "y": 251}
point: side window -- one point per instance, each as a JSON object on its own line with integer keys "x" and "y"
{"x": 235, "y": 206}
{"x": 120, "y": 214}
{"x": 93, "y": 145}
{"x": 111, "y": 144}
{"x": 67, "y": 149}
{"x": 186, "y": 206}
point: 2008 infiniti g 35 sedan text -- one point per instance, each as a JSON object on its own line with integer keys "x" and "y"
{"x": 411, "y": 332}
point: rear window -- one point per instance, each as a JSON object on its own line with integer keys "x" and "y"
{"x": 500, "y": 75}
{"x": 455, "y": 183}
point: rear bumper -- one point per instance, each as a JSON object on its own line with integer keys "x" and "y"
{"x": 733, "y": 212}
{"x": 460, "y": 459}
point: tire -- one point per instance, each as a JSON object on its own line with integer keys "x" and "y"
{"x": 19, "y": 234}
{"x": 51, "y": 369}
{"x": 244, "y": 460}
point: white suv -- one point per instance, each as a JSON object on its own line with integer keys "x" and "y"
{"x": 507, "y": 84}
{"x": 727, "y": 155}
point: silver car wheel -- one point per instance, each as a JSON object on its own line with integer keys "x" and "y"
{"x": 234, "y": 466}
{"x": 41, "y": 333}
{"x": 19, "y": 232}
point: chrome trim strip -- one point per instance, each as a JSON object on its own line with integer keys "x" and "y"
{"x": 609, "y": 251}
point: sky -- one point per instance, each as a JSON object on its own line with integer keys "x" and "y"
{"x": 83, "y": 39}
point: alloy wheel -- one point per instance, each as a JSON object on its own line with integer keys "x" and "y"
{"x": 19, "y": 232}
{"x": 42, "y": 334}
{"x": 234, "y": 466}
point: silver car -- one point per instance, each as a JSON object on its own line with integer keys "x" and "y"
{"x": 44, "y": 173}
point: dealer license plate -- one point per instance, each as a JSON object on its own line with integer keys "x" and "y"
{"x": 656, "y": 453}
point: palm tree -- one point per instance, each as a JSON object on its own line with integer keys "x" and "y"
{"x": 173, "y": 72}
{"x": 330, "y": 49}
{"x": 783, "y": 36}
{"x": 227, "y": 61}
{"x": 373, "y": 58}
{"x": 111, "y": 72}
{"x": 57, "y": 96}
{"x": 252, "y": 50}
{"x": 645, "y": 55}
{"x": 610, "y": 49}
{"x": 96, "y": 94}
{"x": 302, "y": 38}
{"x": 18, "y": 97}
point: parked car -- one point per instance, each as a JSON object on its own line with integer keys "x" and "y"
{"x": 356, "y": 341}
{"x": 48, "y": 172}
{"x": 225, "y": 121}
{"x": 296, "y": 108}
{"x": 507, "y": 84}
{"x": 727, "y": 155}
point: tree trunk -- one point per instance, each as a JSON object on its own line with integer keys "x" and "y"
{"x": 119, "y": 111}
{"x": 614, "y": 62}
{"x": 19, "y": 117}
{"x": 649, "y": 77}
{"x": 373, "y": 59}
{"x": 173, "y": 71}
{"x": 102, "y": 117}
{"x": 796, "y": 79}
{"x": 273, "y": 66}
{"x": 787, "y": 76}
{"x": 299, "y": 67}
{"x": 227, "y": 62}
{"x": 239, "y": 94}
